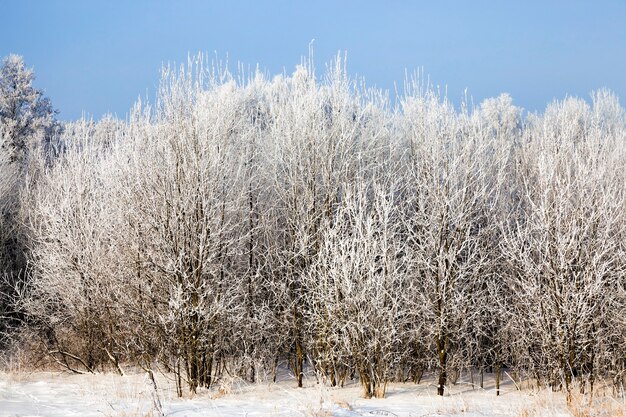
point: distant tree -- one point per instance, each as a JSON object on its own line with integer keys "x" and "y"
{"x": 27, "y": 120}
{"x": 24, "y": 110}
{"x": 27, "y": 123}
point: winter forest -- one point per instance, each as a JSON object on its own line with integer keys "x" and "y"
{"x": 239, "y": 224}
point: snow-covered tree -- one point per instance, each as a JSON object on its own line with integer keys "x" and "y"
{"x": 565, "y": 246}
{"x": 25, "y": 111}
{"x": 27, "y": 126}
{"x": 453, "y": 174}
{"x": 240, "y": 224}
{"x": 356, "y": 289}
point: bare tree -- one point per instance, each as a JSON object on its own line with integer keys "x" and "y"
{"x": 238, "y": 223}
{"x": 356, "y": 287}
{"x": 565, "y": 247}
{"x": 318, "y": 132}
{"x": 453, "y": 182}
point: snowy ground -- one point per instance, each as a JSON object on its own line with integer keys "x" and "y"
{"x": 60, "y": 394}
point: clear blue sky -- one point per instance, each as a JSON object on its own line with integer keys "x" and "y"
{"x": 99, "y": 56}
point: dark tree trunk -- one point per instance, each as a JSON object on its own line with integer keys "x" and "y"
{"x": 443, "y": 359}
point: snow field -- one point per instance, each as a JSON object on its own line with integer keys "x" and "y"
{"x": 59, "y": 394}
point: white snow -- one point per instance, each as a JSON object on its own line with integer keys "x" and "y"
{"x": 59, "y": 394}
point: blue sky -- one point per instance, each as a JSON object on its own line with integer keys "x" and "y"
{"x": 99, "y": 56}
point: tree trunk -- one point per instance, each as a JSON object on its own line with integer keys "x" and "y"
{"x": 299, "y": 362}
{"x": 482, "y": 377}
{"x": 498, "y": 374}
{"x": 443, "y": 359}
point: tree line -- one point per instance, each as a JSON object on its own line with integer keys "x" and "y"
{"x": 239, "y": 224}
